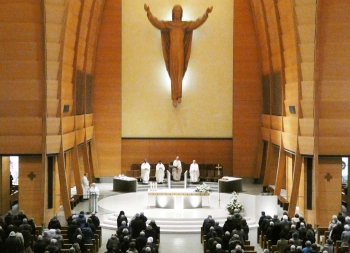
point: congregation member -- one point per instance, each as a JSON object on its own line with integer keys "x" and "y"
{"x": 160, "y": 169}
{"x": 177, "y": 169}
{"x": 113, "y": 244}
{"x": 145, "y": 170}
{"x": 95, "y": 220}
{"x": 194, "y": 172}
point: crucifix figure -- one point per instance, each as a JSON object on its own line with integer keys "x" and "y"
{"x": 218, "y": 167}
{"x": 176, "y": 43}
{"x": 31, "y": 175}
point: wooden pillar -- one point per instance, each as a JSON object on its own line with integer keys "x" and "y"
{"x": 281, "y": 170}
{"x": 31, "y": 185}
{"x": 4, "y": 184}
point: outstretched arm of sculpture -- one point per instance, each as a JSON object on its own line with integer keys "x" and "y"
{"x": 200, "y": 21}
{"x": 154, "y": 21}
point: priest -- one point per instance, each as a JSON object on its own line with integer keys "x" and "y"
{"x": 160, "y": 172}
{"x": 177, "y": 169}
{"x": 145, "y": 169}
{"x": 194, "y": 172}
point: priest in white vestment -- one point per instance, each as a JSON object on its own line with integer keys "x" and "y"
{"x": 194, "y": 172}
{"x": 85, "y": 184}
{"x": 145, "y": 169}
{"x": 160, "y": 168}
{"x": 177, "y": 169}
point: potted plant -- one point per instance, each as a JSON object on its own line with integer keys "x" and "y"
{"x": 234, "y": 204}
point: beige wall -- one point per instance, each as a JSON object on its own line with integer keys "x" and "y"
{"x": 147, "y": 109}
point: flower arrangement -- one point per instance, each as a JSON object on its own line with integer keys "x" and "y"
{"x": 203, "y": 188}
{"x": 234, "y": 204}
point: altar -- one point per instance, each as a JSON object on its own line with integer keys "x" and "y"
{"x": 177, "y": 198}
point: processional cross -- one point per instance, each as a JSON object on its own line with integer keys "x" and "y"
{"x": 218, "y": 167}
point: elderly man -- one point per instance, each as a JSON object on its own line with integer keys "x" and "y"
{"x": 160, "y": 172}
{"x": 145, "y": 169}
{"x": 94, "y": 195}
{"x": 194, "y": 172}
{"x": 177, "y": 169}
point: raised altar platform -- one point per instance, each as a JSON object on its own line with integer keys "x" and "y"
{"x": 177, "y": 198}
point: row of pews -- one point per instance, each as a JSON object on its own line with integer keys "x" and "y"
{"x": 322, "y": 236}
{"x": 92, "y": 248}
{"x": 247, "y": 247}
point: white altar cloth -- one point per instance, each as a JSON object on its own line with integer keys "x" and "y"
{"x": 177, "y": 198}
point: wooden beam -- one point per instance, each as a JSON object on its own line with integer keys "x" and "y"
{"x": 296, "y": 182}
{"x": 63, "y": 184}
{"x": 281, "y": 170}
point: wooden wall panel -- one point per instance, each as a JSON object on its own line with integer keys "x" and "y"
{"x": 201, "y": 150}
{"x": 290, "y": 125}
{"x": 67, "y": 124}
{"x": 276, "y": 137}
{"x": 306, "y": 127}
{"x": 53, "y": 144}
{"x": 276, "y": 122}
{"x": 20, "y": 144}
{"x": 334, "y": 146}
{"x": 265, "y": 133}
{"x": 31, "y": 190}
{"x": 306, "y": 145}
{"x": 328, "y": 200}
{"x": 289, "y": 141}
{"x": 20, "y": 126}
{"x": 68, "y": 140}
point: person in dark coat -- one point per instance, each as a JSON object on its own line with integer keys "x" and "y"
{"x": 337, "y": 232}
{"x": 81, "y": 219}
{"x": 113, "y": 244}
{"x": 71, "y": 230}
{"x": 137, "y": 225}
{"x": 122, "y": 213}
{"x": 149, "y": 232}
{"x": 210, "y": 223}
{"x": 39, "y": 246}
{"x": 95, "y": 220}
{"x": 52, "y": 247}
{"x": 124, "y": 246}
{"x": 91, "y": 225}
{"x": 12, "y": 244}
{"x": 218, "y": 229}
{"x": 87, "y": 234}
{"x": 8, "y": 218}
{"x": 54, "y": 223}
{"x": 228, "y": 225}
{"x": 121, "y": 219}
{"x": 225, "y": 240}
{"x": 156, "y": 229}
{"x": 143, "y": 217}
{"x": 141, "y": 241}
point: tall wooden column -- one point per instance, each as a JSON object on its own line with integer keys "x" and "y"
{"x": 4, "y": 184}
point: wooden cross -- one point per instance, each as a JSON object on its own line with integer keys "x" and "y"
{"x": 31, "y": 175}
{"x": 218, "y": 167}
{"x": 328, "y": 177}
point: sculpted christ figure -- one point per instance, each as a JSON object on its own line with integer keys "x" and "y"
{"x": 176, "y": 43}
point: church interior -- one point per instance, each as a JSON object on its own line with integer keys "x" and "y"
{"x": 84, "y": 89}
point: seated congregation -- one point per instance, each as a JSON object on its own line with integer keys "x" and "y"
{"x": 136, "y": 235}
{"x": 19, "y": 234}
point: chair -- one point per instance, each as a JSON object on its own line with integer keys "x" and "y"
{"x": 202, "y": 172}
{"x": 210, "y": 172}
{"x": 137, "y": 175}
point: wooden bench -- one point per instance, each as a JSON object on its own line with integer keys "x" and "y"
{"x": 74, "y": 200}
{"x": 321, "y": 232}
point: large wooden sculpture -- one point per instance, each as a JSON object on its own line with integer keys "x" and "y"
{"x": 176, "y": 43}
